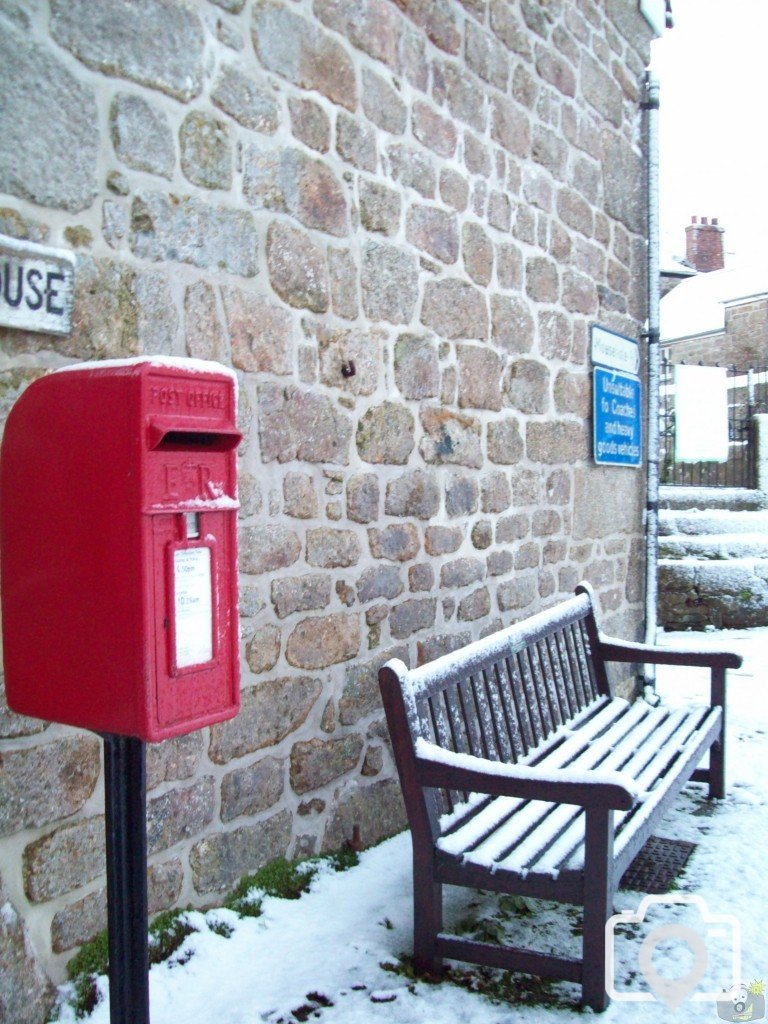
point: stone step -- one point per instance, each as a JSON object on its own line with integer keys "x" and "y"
{"x": 712, "y": 521}
{"x": 714, "y": 547}
{"x": 728, "y": 594}
{"x": 737, "y": 499}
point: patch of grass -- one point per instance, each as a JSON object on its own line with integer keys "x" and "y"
{"x": 83, "y": 970}
{"x": 280, "y": 877}
{"x": 498, "y": 986}
{"x": 343, "y": 859}
{"x": 167, "y": 932}
{"x": 286, "y": 879}
{"x": 494, "y": 919}
{"x": 492, "y": 927}
{"x": 219, "y": 927}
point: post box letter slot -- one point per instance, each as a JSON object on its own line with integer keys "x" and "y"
{"x": 192, "y": 440}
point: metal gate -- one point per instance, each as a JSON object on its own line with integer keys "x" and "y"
{"x": 747, "y": 395}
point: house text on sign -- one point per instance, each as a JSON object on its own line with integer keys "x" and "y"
{"x": 36, "y": 287}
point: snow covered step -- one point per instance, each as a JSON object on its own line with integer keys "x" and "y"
{"x": 714, "y": 547}
{"x": 734, "y": 498}
{"x": 712, "y": 521}
{"x": 695, "y": 593}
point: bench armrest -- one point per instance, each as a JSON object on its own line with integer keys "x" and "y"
{"x": 444, "y": 769}
{"x": 699, "y": 657}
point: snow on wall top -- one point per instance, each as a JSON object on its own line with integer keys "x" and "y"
{"x": 697, "y": 306}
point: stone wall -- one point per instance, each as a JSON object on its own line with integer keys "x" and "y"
{"x": 746, "y": 332}
{"x": 396, "y": 220}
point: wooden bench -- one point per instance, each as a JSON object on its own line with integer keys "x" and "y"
{"x": 523, "y": 773}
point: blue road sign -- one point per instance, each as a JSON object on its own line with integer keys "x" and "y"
{"x": 617, "y": 418}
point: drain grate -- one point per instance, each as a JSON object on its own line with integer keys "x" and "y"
{"x": 657, "y": 865}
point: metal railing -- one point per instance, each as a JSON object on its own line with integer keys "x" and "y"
{"x": 747, "y": 395}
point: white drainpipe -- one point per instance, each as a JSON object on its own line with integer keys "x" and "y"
{"x": 651, "y": 107}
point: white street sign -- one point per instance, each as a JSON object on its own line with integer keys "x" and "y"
{"x": 37, "y": 286}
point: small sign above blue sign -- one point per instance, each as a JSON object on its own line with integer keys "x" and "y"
{"x": 617, "y": 418}
{"x": 614, "y": 350}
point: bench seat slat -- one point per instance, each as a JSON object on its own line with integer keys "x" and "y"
{"x": 546, "y": 822}
{"x": 553, "y": 840}
{"x": 631, "y": 832}
{"x": 507, "y": 833}
{"x": 561, "y": 851}
{"x": 594, "y": 719}
{"x": 568, "y": 852}
{"x": 463, "y": 833}
{"x": 675, "y": 776}
{"x": 658, "y": 764}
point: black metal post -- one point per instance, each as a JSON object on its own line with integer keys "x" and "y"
{"x": 127, "y": 913}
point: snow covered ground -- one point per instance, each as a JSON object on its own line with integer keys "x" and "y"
{"x": 321, "y": 957}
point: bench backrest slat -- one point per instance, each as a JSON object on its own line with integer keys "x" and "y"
{"x": 496, "y": 714}
{"x": 507, "y": 727}
{"x": 515, "y": 695}
{"x": 586, "y": 663}
{"x": 528, "y": 694}
{"x": 579, "y": 670}
{"x": 566, "y": 698}
{"x": 487, "y": 716}
{"x": 448, "y": 733}
{"x": 547, "y": 699}
{"x": 470, "y": 719}
{"x": 554, "y": 681}
{"x": 502, "y": 697}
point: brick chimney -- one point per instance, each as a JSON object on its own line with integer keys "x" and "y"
{"x": 704, "y": 245}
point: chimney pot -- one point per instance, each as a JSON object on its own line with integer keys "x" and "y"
{"x": 704, "y": 245}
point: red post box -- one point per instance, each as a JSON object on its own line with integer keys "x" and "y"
{"x": 118, "y": 516}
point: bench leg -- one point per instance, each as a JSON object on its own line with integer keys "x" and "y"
{"x": 598, "y": 905}
{"x": 717, "y": 750}
{"x": 717, "y": 771}
{"x": 427, "y": 917}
